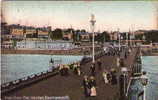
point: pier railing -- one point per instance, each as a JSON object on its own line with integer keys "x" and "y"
{"x": 25, "y": 81}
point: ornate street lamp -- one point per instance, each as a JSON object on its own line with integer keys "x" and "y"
{"x": 144, "y": 38}
{"x": 92, "y": 21}
{"x": 119, "y": 39}
{"x": 124, "y": 70}
{"x": 144, "y": 81}
{"x": 127, "y": 38}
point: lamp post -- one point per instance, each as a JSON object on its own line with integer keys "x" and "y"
{"x": 127, "y": 38}
{"x": 124, "y": 71}
{"x": 144, "y": 81}
{"x": 133, "y": 35}
{"x": 119, "y": 38}
{"x": 144, "y": 38}
{"x": 92, "y": 21}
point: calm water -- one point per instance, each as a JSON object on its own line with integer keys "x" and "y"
{"x": 17, "y": 66}
{"x": 150, "y": 64}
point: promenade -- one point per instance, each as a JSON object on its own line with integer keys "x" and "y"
{"x": 71, "y": 85}
{"x": 44, "y": 52}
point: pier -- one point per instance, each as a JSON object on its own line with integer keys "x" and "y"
{"x": 51, "y": 84}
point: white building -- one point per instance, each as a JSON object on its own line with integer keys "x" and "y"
{"x": 45, "y": 45}
{"x": 7, "y": 44}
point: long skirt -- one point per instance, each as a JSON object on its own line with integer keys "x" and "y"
{"x": 87, "y": 91}
{"x": 93, "y": 92}
{"x": 105, "y": 79}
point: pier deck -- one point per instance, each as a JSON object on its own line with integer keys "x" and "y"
{"x": 72, "y": 85}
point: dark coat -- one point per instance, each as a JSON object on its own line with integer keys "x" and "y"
{"x": 86, "y": 87}
{"x": 92, "y": 83}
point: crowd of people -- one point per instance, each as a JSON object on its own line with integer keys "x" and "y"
{"x": 110, "y": 77}
{"x": 75, "y": 67}
{"x": 89, "y": 85}
{"x": 89, "y": 80}
{"x": 64, "y": 70}
{"x": 113, "y": 51}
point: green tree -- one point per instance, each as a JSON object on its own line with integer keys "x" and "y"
{"x": 77, "y": 35}
{"x": 151, "y": 36}
{"x": 106, "y": 36}
{"x": 139, "y": 37}
{"x": 57, "y": 34}
{"x": 102, "y": 37}
{"x": 14, "y": 43}
{"x": 83, "y": 31}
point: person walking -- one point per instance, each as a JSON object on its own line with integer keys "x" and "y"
{"x": 86, "y": 86}
{"x": 92, "y": 84}
{"x": 61, "y": 70}
{"x": 105, "y": 77}
{"x": 109, "y": 77}
{"x": 93, "y": 92}
{"x": 75, "y": 68}
{"x": 99, "y": 65}
{"x": 92, "y": 69}
{"x": 118, "y": 62}
{"x": 78, "y": 71}
{"x": 113, "y": 77}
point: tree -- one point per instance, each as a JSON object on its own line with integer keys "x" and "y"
{"x": 151, "y": 36}
{"x": 83, "y": 31}
{"x": 139, "y": 37}
{"x": 105, "y": 37}
{"x": 57, "y": 34}
{"x": 77, "y": 36}
{"x": 102, "y": 37}
{"x": 14, "y": 43}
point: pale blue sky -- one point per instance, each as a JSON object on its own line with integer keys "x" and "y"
{"x": 62, "y": 14}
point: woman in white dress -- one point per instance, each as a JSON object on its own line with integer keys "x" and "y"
{"x": 105, "y": 77}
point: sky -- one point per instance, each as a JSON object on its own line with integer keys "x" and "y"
{"x": 109, "y": 15}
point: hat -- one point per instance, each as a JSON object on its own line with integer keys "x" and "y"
{"x": 113, "y": 69}
{"x": 92, "y": 77}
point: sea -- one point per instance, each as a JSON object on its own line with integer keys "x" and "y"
{"x": 150, "y": 65}
{"x": 16, "y": 66}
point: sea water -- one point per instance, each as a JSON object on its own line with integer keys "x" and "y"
{"x": 150, "y": 65}
{"x": 16, "y": 66}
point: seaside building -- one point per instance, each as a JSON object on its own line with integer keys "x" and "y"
{"x": 67, "y": 36}
{"x": 6, "y": 37}
{"x": 42, "y": 32}
{"x": 113, "y": 35}
{"x": 85, "y": 37}
{"x": 16, "y": 30}
{"x": 29, "y": 32}
{"x": 7, "y": 44}
{"x": 4, "y": 29}
{"x": 45, "y": 45}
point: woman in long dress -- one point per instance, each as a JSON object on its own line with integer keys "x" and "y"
{"x": 105, "y": 77}
{"x": 86, "y": 86}
{"x": 118, "y": 61}
{"x": 93, "y": 92}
